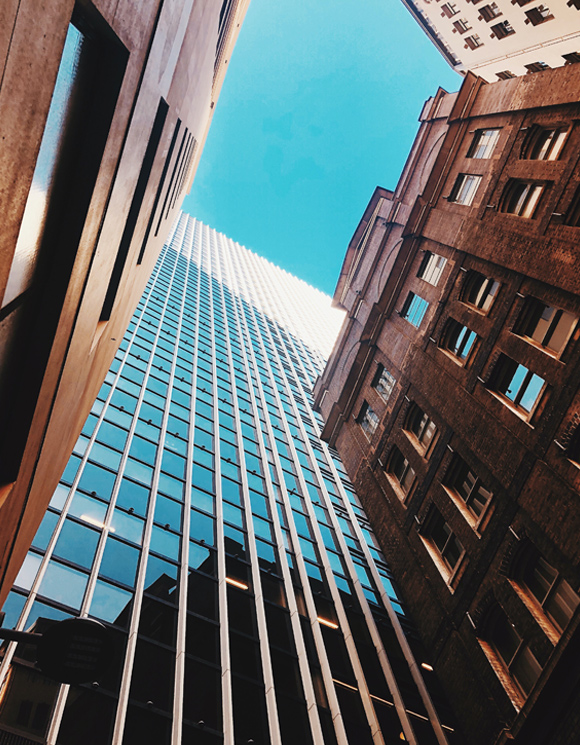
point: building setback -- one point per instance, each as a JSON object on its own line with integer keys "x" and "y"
{"x": 501, "y": 39}
{"x": 105, "y": 108}
{"x": 452, "y": 396}
{"x": 202, "y": 517}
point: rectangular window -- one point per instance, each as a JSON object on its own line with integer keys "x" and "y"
{"x": 537, "y": 67}
{"x": 571, "y": 58}
{"x": 367, "y": 419}
{"x": 440, "y": 538}
{"x": 465, "y": 484}
{"x": 503, "y": 29}
{"x": 505, "y": 75}
{"x": 400, "y": 470}
{"x": 553, "y": 593}
{"x": 464, "y": 189}
{"x": 383, "y": 382}
{"x": 479, "y": 291}
{"x": 483, "y": 143}
{"x": 457, "y": 339}
{"x": 516, "y": 656}
{"x": 419, "y": 424}
{"x": 431, "y": 268}
{"x": 548, "y": 326}
{"x": 538, "y": 15}
{"x": 547, "y": 143}
{"x": 449, "y": 9}
{"x": 473, "y": 41}
{"x": 414, "y": 309}
{"x": 522, "y": 197}
{"x": 572, "y": 216}
{"x": 462, "y": 25}
{"x": 519, "y": 385}
{"x": 489, "y": 12}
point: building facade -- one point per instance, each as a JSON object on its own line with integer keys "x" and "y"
{"x": 452, "y": 397}
{"x": 202, "y": 518}
{"x": 105, "y": 108}
{"x": 501, "y": 39}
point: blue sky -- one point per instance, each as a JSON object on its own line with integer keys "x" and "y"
{"x": 319, "y": 106}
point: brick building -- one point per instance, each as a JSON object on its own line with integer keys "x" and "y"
{"x": 105, "y": 107}
{"x": 453, "y": 397}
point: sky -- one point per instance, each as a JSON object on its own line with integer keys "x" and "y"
{"x": 319, "y": 106}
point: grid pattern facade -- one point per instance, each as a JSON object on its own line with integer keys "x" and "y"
{"x": 204, "y": 520}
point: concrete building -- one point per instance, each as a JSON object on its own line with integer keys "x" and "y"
{"x": 202, "y": 518}
{"x": 453, "y": 397}
{"x": 104, "y": 108}
{"x": 501, "y": 39}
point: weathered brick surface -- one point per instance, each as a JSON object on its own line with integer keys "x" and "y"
{"x": 523, "y": 459}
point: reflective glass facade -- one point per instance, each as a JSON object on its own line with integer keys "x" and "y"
{"x": 204, "y": 520}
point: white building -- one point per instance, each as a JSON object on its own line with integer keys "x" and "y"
{"x": 504, "y": 38}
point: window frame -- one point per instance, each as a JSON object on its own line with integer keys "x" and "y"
{"x": 439, "y": 555}
{"x": 529, "y": 317}
{"x": 378, "y": 381}
{"x": 505, "y": 372}
{"x": 458, "y": 341}
{"x": 476, "y": 150}
{"x": 431, "y": 268}
{"x": 465, "y": 187}
{"x": 399, "y": 482}
{"x": 489, "y": 288}
{"x": 522, "y": 198}
{"x": 547, "y": 143}
{"x": 421, "y": 428}
{"x": 368, "y": 422}
{"x": 412, "y": 310}
{"x": 459, "y": 471}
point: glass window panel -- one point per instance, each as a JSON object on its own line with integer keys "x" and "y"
{"x": 531, "y": 392}
{"x": 110, "y": 603}
{"x": 203, "y": 478}
{"x": 119, "y": 562}
{"x": 161, "y": 578}
{"x": 202, "y": 527}
{"x": 105, "y": 456}
{"x": 28, "y": 571}
{"x": 138, "y": 471}
{"x": 127, "y": 526}
{"x": 165, "y": 543}
{"x": 132, "y": 496}
{"x": 59, "y": 497}
{"x": 201, "y": 558}
{"x": 45, "y": 530}
{"x": 97, "y": 479}
{"x": 12, "y": 609}
{"x": 64, "y": 585}
{"x": 77, "y": 543}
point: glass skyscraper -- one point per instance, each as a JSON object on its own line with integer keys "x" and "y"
{"x": 204, "y": 520}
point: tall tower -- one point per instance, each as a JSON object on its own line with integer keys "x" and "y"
{"x": 204, "y": 520}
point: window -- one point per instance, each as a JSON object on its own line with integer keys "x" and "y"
{"x": 383, "y": 382}
{"x": 466, "y": 485}
{"x": 537, "y": 67}
{"x": 521, "y": 197}
{"x": 518, "y": 384}
{"x": 414, "y": 309}
{"x": 464, "y": 189}
{"x": 505, "y": 75}
{"x": 503, "y": 29}
{"x": 449, "y": 9}
{"x": 420, "y": 425}
{"x": 473, "y": 42}
{"x": 439, "y": 536}
{"x": 515, "y": 656}
{"x": 479, "y": 291}
{"x": 483, "y": 143}
{"x": 553, "y": 593}
{"x": 571, "y": 58}
{"x": 547, "y": 326}
{"x": 489, "y": 12}
{"x": 400, "y": 469}
{"x": 457, "y": 339}
{"x": 546, "y": 143}
{"x": 367, "y": 419}
{"x": 462, "y": 25}
{"x": 572, "y": 216}
{"x": 538, "y": 15}
{"x": 431, "y": 268}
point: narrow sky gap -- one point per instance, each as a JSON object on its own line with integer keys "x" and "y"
{"x": 320, "y": 105}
